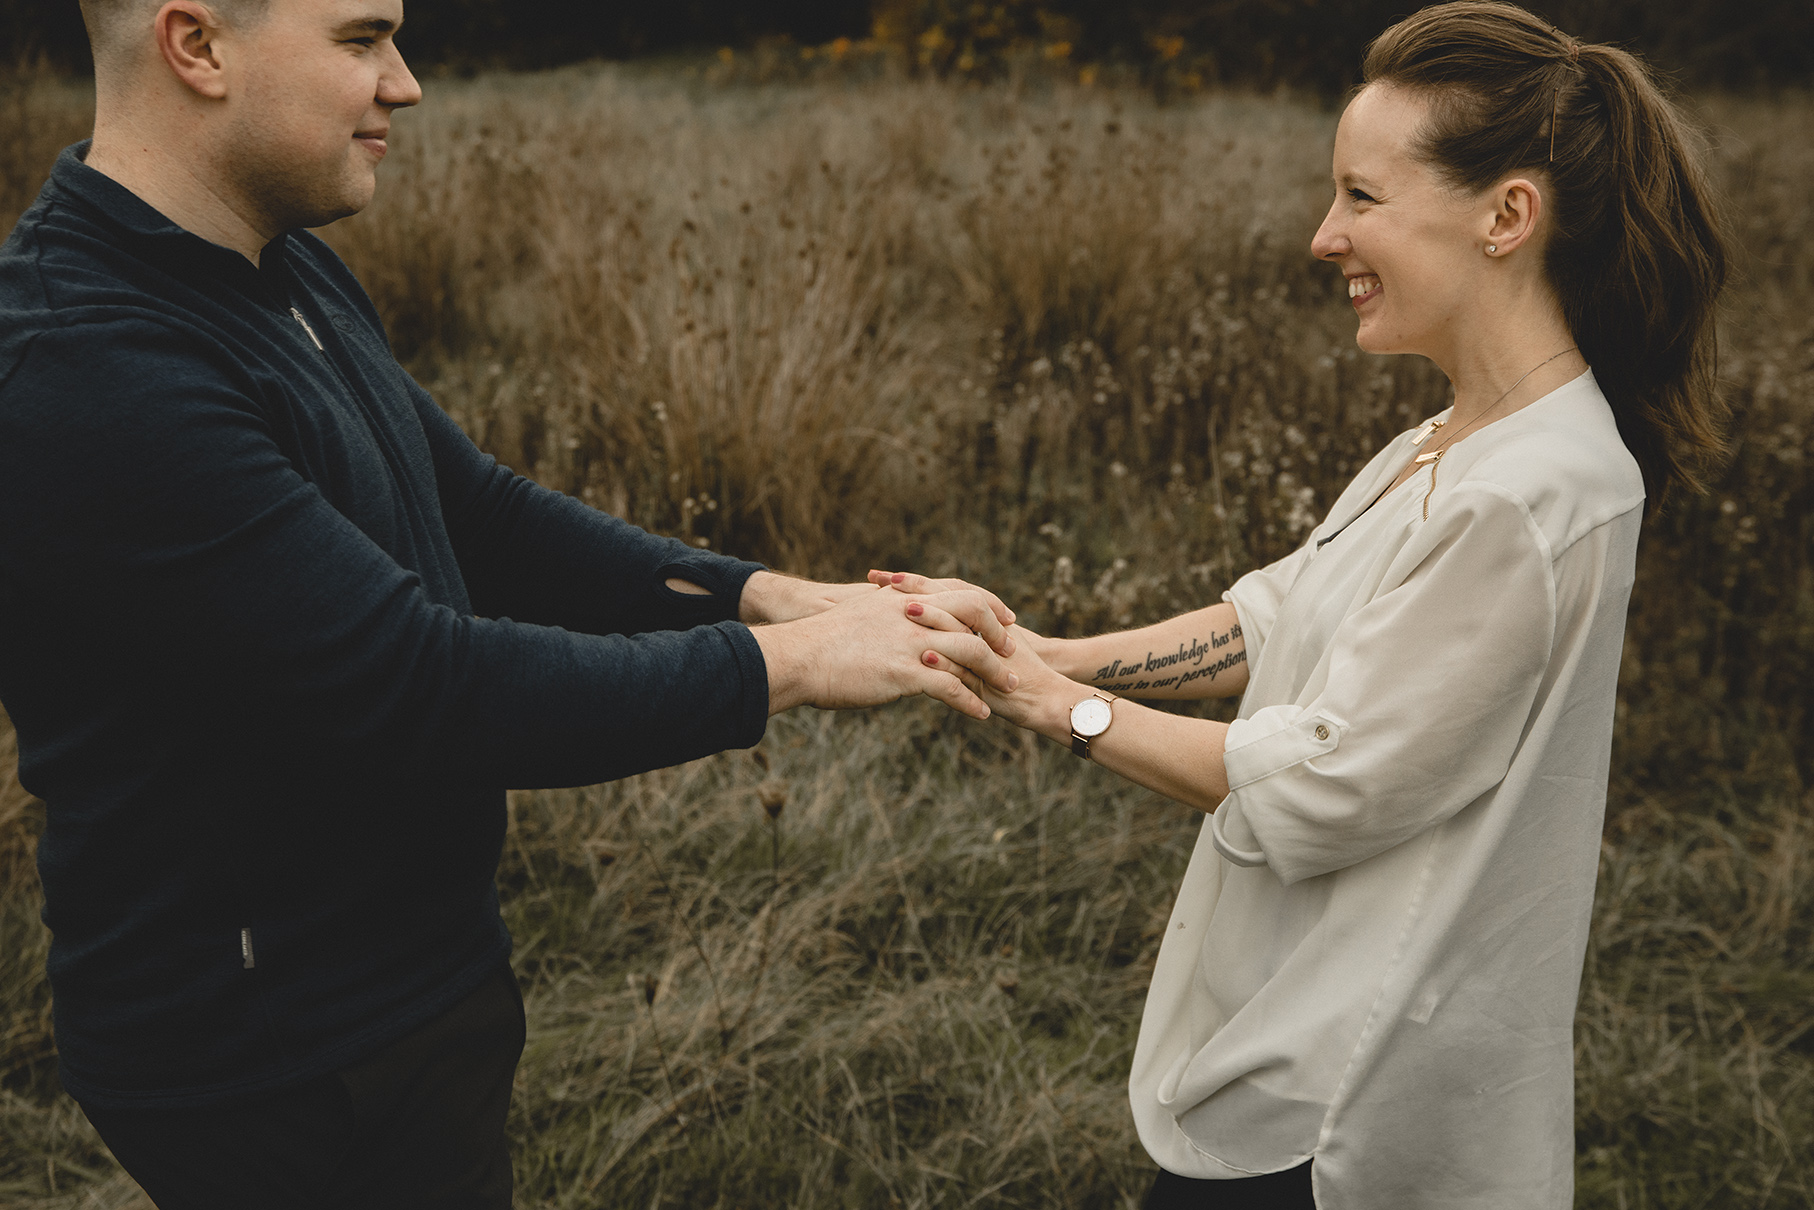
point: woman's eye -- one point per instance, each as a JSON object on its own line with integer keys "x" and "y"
{"x": 1359, "y": 195}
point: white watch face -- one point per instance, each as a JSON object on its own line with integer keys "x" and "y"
{"x": 1090, "y": 717}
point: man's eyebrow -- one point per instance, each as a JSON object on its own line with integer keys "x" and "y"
{"x": 375, "y": 26}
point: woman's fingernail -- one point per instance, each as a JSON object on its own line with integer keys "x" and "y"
{"x": 899, "y": 577}
{"x": 915, "y": 610}
{"x": 931, "y": 659}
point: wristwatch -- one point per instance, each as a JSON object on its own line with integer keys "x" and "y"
{"x": 1090, "y": 718}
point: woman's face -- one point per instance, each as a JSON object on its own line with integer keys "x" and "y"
{"x": 1412, "y": 250}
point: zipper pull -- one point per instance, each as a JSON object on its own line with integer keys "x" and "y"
{"x": 245, "y": 948}
{"x": 313, "y": 337}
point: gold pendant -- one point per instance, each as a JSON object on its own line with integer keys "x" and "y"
{"x": 1423, "y": 434}
{"x": 1433, "y": 457}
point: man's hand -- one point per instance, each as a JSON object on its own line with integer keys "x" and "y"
{"x": 769, "y": 597}
{"x": 877, "y": 647}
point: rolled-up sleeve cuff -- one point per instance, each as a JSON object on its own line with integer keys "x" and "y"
{"x": 1273, "y": 740}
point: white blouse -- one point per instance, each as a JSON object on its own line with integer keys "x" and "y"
{"x": 1375, "y": 953}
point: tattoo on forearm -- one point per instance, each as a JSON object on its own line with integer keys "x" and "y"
{"x": 1125, "y": 675}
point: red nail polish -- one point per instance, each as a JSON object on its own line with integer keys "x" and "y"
{"x": 931, "y": 659}
{"x": 900, "y": 577}
{"x": 915, "y": 610}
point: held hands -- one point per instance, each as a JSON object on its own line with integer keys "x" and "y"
{"x": 1181, "y": 758}
{"x": 867, "y": 648}
{"x": 1043, "y": 700}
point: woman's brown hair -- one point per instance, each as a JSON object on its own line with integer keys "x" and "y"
{"x": 1635, "y": 254}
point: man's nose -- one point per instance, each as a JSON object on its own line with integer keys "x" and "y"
{"x": 398, "y": 88}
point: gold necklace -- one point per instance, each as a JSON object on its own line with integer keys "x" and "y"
{"x": 1432, "y": 457}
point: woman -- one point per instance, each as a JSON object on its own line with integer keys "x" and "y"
{"x": 1368, "y": 981}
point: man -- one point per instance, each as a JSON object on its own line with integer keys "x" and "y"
{"x": 256, "y": 636}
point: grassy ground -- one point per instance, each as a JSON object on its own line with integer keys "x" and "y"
{"x": 1068, "y": 343}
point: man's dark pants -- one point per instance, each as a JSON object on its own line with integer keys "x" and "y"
{"x": 417, "y": 1126}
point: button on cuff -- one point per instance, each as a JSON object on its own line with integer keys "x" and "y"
{"x": 1275, "y": 739}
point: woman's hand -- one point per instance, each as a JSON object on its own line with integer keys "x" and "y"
{"x": 1043, "y": 698}
{"x": 917, "y": 585}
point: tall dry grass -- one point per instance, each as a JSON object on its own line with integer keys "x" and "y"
{"x": 1068, "y": 343}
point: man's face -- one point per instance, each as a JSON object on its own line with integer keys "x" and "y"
{"x": 314, "y": 86}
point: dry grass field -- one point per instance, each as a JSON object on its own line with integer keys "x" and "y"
{"x": 1068, "y": 343}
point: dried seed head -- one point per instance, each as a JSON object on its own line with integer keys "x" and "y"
{"x": 1008, "y": 981}
{"x": 773, "y": 794}
{"x": 1007, "y": 951}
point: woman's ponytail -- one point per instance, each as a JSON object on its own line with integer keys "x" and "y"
{"x": 1636, "y": 257}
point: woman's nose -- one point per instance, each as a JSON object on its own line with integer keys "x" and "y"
{"x": 1330, "y": 241}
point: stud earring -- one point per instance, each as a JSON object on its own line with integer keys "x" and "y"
{"x": 1492, "y": 248}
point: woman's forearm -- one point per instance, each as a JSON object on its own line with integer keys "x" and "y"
{"x": 1194, "y": 655}
{"x": 1176, "y": 756}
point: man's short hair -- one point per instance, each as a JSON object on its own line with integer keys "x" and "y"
{"x": 116, "y": 26}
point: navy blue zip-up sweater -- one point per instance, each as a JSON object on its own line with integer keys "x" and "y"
{"x": 256, "y": 638}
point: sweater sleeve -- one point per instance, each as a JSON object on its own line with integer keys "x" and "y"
{"x": 145, "y": 494}
{"x": 1428, "y": 690}
{"x": 538, "y": 555}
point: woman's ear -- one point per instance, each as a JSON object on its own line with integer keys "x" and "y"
{"x": 187, "y": 35}
{"x": 1517, "y": 205}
